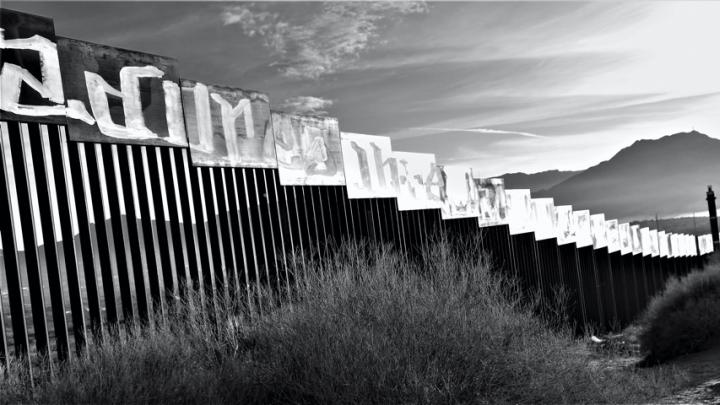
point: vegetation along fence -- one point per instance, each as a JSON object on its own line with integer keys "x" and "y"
{"x": 123, "y": 187}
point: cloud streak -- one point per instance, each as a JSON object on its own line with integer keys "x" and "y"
{"x": 484, "y": 131}
{"x": 324, "y": 42}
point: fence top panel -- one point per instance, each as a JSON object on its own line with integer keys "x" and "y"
{"x": 626, "y": 238}
{"x": 583, "y": 230}
{"x": 599, "y": 231}
{"x": 543, "y": 218}
{"x": 370, "y": 169}
{"x": 459, "y": 192}
{"x": 420, "y": 185}
{"x": 308, "y": 150}
{"x": 31, "y": 80}
{"x": 120, "y": 96}
{"x": 612, "y": 233}
{"x": 228, "y": 126}
{"x": 565, "y": 224}
{"x": 519, "y": 211}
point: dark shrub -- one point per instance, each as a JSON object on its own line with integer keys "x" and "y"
{"x": 683, "y": 319}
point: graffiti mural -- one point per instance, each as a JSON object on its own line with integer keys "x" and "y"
{"x": 421, "y": 183}
{"x": 613, "y": 235}
{"x": 626, "y": 245}
{"x": 565, "y": 224}
{"x": 228, "y": 126}
{"x": 460, "y": 197}
{"x": 654, "y": 243}
{"x": 308, "y": 150}
{"x": 120, "y": 96}
{"x": 636, "y": 240}
{"x": 583, "y": 232}
{"x": 543, "y": 218}
{"x": 492, "y": 201}
{"x": 663, "y": 243}
{"x": 30, "y": 76}
{"x": 645, "y": 242}
{"x": 519, "y": 212}
{"x": 370, "y": 169}
{"x": 597, "y": 227}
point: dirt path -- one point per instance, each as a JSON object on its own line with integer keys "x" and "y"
{"x": 703, "y": 368}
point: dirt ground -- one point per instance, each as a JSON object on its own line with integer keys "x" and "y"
{"x": 703, "y": 368}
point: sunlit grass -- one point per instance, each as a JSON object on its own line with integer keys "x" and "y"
{"x": 372, "y": 327}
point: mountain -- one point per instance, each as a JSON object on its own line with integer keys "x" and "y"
{"x": 536, "y": 181}
{"x": 666, "y": 176}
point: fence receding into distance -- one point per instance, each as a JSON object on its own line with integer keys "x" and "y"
{"x": 123, "y": 187}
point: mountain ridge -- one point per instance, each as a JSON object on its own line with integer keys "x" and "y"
{"x": 665, "y": 176}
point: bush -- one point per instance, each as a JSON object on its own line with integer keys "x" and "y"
{"x": 372, "y": 327}
{"x": 685, "y": 318}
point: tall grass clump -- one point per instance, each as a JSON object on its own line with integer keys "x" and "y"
{"x": 685, "y": 318}
{"x": 365, "y": 325}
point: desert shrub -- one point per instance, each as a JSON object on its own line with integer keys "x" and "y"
{"x": 371, "y": 327}
{"x": 684, "y": 318}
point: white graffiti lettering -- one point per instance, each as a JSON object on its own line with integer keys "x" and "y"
{"x": 98, "y": 91}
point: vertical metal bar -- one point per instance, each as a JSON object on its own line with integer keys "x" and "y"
{"x": 93, "y": 260}
{"x": 285, "y": 223}
{"x": 226, "y": 225}
{"x": 34, "y": 265}
{"x": 111, "y": 279}
{"x": 120, "y": 227}
{"x": 140, "y": 262}
{"x": 49, "y": 217}
{"x": 215, "y": 234}
{"x": 4, "y": 308}
{"x": 236, "y": 202}
{"x": 159, "y": 258}
{"x": 11, "y": 233}
{"x": 266, "y": 194}
{"x": 174, "y": 248}
{"x": 258, "y": 286}
{"x": 209, "y": 276}
{"x": 69, "y": 225}
{"x": 300, "y": 233}
{"x": 186, "y": 209}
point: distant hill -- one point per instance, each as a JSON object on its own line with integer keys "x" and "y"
{"x": 666, "y": 176}
{"x": 536, "y": 181}
{"x": 689, "y": 225}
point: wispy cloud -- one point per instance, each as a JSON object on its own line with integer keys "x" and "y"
{"x": 484, "y": 131}
{"x": 306, "y": 105}
{"x": 325, "y": 42}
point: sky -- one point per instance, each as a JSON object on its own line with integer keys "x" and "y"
{"x": 497, "y": 86}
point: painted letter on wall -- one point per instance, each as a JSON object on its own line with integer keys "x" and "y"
{"x": 543, "y": 217}
{"x": 30, "y": 80}
{"x": 492, "y": 201}
{"x": 370, "y": 169}
{"x": 626, "y": 245}
{"x": 565, "y": 224}
{"x": 613, "y": 235}
{"x": 583, "y": 231}
{"x": 228, "y": 126}
{"x": 460, "y": 198}
{"x": 420, "y": 182}
{"x": 120, "y": 96}
{"x": 636, "y": 240}
{"x": 518, "y": 215}
{"x": 597, "y": 227}
{"x": 308, "y": 150}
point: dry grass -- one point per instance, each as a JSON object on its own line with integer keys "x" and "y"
{"x": 373, "y": 327}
